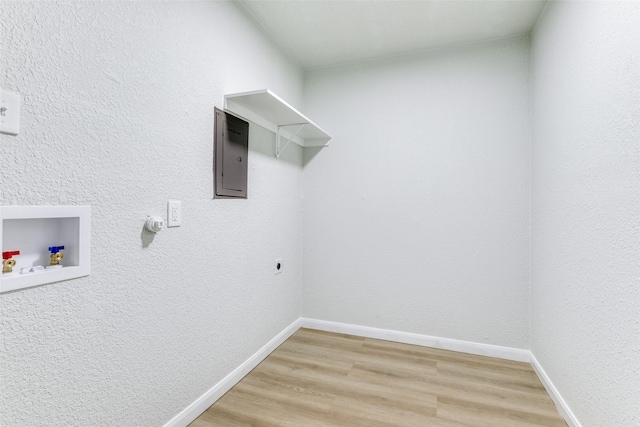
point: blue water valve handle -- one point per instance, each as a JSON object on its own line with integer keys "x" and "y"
{"x": 55, "y": 249}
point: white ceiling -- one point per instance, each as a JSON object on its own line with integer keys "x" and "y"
{"x": 318, "y": 33}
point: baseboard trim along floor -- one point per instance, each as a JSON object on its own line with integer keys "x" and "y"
{"x": 561, "y": 405}
{"x": 421, "y": 340}
{"x": 191, "y": 412}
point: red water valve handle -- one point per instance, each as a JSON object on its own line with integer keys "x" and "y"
{"x": 9, "y": 254}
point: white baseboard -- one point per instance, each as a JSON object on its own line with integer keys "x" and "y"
{"x": 193, "y": 411}
{"x": 561, "y": 405}
{"x": 421, "y": 340}
{"x": 201, "y": 404}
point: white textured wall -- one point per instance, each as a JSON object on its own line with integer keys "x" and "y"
{"x": 585, "y": 327}
{"x": 117, "y": 113}
{"x": 417, "y": 216}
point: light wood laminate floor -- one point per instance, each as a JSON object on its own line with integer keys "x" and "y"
{"x": 324, "y": 379}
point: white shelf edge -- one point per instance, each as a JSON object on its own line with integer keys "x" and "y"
{"x": 231, "y": 105}
{"x": 31, "y": 212}
{"x": 15, "y": 281}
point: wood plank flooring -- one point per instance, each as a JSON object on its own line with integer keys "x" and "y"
{"x": 324, "y": 379}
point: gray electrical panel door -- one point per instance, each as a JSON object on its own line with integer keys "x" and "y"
{"x": 231, "y": 147}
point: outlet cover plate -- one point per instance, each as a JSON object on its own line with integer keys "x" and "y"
{"x": 174, "y": 213}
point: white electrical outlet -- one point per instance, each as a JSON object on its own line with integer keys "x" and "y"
{"x": 278, "y": 266}
{"x": 9, "y": 112}
{"x": 174, "y": 213}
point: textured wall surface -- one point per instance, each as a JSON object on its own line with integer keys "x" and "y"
{"x": 585, "y": 323}
{"x": 416, "y": 219}
{"x": 422, "y": 225}
{"x": 117, "y": 113}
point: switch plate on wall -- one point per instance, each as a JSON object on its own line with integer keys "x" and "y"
{"x": 9, "y": 112}
{"x": 174, "y": 213}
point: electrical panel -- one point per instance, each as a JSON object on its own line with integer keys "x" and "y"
{"x": 231, "y": 149}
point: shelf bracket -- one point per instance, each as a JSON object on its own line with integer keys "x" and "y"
{"x": 280, "y": 148}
